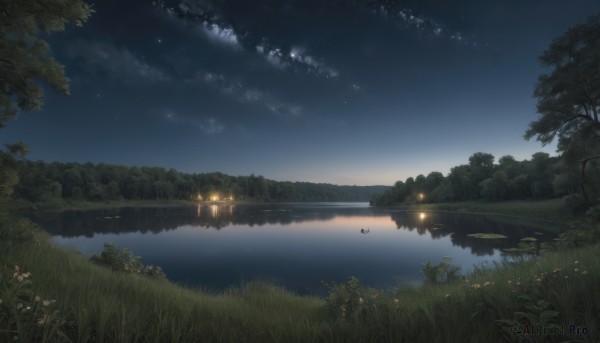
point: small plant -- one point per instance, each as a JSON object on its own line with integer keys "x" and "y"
{"x": 18, "y": 231}
{"x": 441, "y": 273}
{"x": 352, "y": 298}
{"x": 124, "y": 261}
{"x": 576, "y": 238}
{"x": 25, "y": 316}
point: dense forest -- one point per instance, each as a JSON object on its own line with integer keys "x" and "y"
{"x": 541, "y": 177}
{"x": 49, "y": 184}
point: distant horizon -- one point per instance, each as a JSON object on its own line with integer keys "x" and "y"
{"x": 279, "y": 180}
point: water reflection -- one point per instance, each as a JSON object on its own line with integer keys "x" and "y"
{"x": 437, "y": 225}
{"x": 457, "y": 226}
{"x": 295, "y": 245}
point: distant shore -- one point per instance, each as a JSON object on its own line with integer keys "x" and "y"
{"x": 553, "y": 210}
{"x": 90, "y": 205}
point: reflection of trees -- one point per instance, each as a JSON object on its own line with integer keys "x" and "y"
{"x": 459, "y": 225}
{"x": 157, "y": 219}
{"x": 219, "y": 216}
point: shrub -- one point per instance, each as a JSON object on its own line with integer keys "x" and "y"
{"x": 576, "y": 203}
{"x": 124, "y": 261}
{"x": 17, "y": 231}
{"x": 441, "y": 273}
{"x": 353, "y": 299}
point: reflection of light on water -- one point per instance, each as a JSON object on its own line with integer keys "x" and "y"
{"x": 422, "y": 216}
{"x": 198, "y": 211}
{"x": 214, "y": 211}
{"x": 230, "y": 209}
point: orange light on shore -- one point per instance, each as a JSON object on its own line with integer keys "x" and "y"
{"x": 421, "y": 196}
{"x": 199, "y": 197}
{"x": 214, "y": 197}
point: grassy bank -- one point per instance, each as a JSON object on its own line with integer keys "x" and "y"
{"x": 104, "y": 306}
{"x": 94, "y": 304}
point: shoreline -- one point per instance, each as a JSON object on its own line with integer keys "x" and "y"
{"x": 93, "y": 205}
{"x": 551, "y": 211}
{"x": 105, "y": 304}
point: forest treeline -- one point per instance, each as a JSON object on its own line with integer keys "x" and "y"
{"x": 541, "y": 177}
{"x": 49, "y": 184}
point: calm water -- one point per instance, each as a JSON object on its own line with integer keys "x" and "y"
{"x": 293, "y": 245}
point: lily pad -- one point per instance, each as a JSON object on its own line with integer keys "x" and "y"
{"x": 538, "y": 233}
{"x": 529, "y": 239}
{"x": 486, "y": 235}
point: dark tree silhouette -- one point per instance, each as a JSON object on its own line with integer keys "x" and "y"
{"x": 569, "y": 96}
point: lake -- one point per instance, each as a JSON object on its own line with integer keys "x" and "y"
{"x": 294, "y": 245}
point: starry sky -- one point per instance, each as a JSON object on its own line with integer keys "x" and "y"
{"x": 355, "y": 92}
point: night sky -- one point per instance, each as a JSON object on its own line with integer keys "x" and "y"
{"x": 346, "y": 92}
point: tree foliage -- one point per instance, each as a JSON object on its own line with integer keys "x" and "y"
{"x": 569, "y": 95}
{"x": 25, "y": 58}
{"x": 25, "y": 61}
{"x": 542, "y": 177}
{"x": 50, "y": 184}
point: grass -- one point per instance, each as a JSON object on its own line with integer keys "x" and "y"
{"x": 481, "y": 307}
{"x": 94, "y": 304}
{"x": 117, "y": 307}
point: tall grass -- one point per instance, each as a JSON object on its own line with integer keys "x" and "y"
{"x": 106, "y": 306}
{"x": 559, "y": 289}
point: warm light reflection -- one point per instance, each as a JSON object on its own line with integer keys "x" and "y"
{"x": 422, "y": 216}
{"x": 344, "y": 222}
{"x": 198, "y": 211}
{"x": 214, "y": 210}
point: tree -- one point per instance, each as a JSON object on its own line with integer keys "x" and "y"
{"x": 569, "y": 96}
{"x": 494, "y": 188}
{"x": 482, "y": 167}
{"x": 25, "y": 58}
{"x": 461, "y": 181}
{"x": 24, "y": 61}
